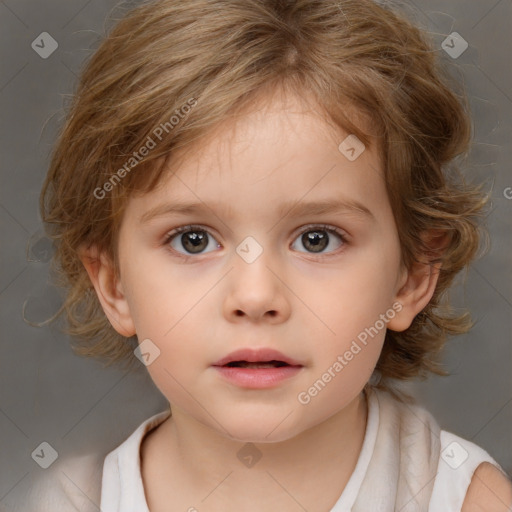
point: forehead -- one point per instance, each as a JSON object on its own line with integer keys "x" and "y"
{"x": 278, "y": 117}
{"x": 281, "y": 150}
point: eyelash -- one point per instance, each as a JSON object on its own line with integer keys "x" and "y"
{"x": 311, "y": 227}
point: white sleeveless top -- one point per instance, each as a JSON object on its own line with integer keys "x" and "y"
{"x": 406, "y": 463}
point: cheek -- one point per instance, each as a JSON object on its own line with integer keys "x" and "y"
{"x": 351, "y": 307}
{"x": 161, "y": 295}
{"x": 181, "y": 357}
{"x": 337, "y": 383}
{"x": 347, "y": 300}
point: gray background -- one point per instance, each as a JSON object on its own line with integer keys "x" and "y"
{"x": 84, "y": 410}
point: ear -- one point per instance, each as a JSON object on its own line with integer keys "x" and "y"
{"x": 417, "y": 284}
{"x": 108, "y": 289}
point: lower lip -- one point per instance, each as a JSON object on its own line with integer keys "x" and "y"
{"x": 257, "y": 378}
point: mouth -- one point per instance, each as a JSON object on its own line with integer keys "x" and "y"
{"x": 257, "y": 368}
{"x": 256, "y": 365}
{"x": 256, "y": 358}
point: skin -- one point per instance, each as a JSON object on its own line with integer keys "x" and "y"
{"x": 490, "y": 491}
{"x": 199, "y": 307}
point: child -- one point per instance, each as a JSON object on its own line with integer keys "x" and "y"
{"x": 261, "y": 196}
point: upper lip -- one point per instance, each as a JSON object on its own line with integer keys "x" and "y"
{"x": 255, "y": 356}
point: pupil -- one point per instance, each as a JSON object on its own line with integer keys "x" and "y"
{"x": 194, "y": 241}
{"x": 316, "y": 239}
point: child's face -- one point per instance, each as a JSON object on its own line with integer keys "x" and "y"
{"x": 197, "y": 307}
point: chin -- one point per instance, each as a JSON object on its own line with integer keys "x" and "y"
{"x": 262, "y": 432}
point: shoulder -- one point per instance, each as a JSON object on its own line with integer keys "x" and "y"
{"x": 489, "y": 490}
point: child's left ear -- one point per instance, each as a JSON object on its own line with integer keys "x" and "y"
{"x": 417, "y": 284}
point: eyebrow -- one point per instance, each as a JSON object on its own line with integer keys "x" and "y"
{"x": 297, "y": 208}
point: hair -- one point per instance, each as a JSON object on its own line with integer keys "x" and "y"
{"x": 216, "y": 57}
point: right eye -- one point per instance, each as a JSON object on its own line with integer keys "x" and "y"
{"x": 189, "y": 240}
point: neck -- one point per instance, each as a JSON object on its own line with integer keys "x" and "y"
{"x": 193, "y": 456}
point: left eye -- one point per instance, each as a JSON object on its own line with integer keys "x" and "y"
{"x": 317, "y": 238}
{"x": 196, "y": 240}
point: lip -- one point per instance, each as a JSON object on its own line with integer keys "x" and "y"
{"x": 256, "y": 356}
{"x": 257, "y": 378}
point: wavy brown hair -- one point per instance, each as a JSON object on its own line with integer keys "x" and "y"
{"x": 222, "y": 54}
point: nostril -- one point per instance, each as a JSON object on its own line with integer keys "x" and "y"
{"x": 271, "y": 313}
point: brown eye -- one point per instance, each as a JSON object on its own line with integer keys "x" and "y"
{"x": 191, "y": 240}
{"x": 194, "y": 241}
{"x": 317, "y": 239}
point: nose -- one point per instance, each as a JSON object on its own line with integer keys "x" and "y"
{"x": 256, "y": 292}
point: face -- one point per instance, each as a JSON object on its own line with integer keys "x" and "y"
{"x": 258, "y": 264}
